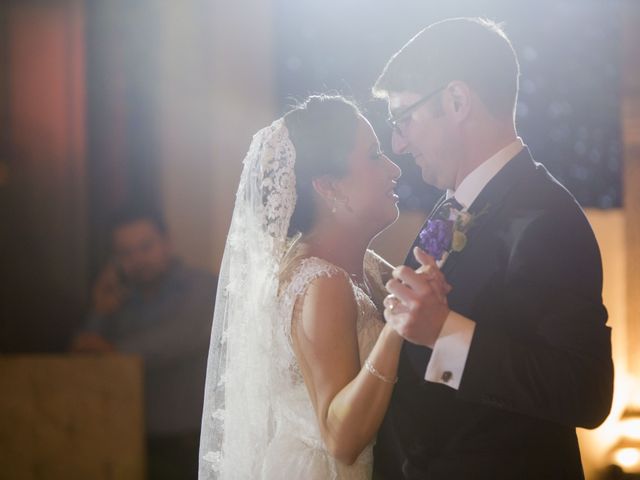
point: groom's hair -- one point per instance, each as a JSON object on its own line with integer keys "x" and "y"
{"x": 473, "y": 50}
{"x": 322, "y": 130}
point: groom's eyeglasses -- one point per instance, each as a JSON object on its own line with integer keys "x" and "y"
{"x": 398, "y": 121}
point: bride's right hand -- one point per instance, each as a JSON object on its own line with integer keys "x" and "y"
{"x": 418, "y": 305}
{"x": 430, "y": 272}
{"x": 434, "y": 276}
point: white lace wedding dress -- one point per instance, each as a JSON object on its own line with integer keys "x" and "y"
{"x": 296, "y": 450}
{"x": 258, "y": 421}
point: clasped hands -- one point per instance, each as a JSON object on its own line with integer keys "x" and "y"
{"x": 416, "y": 306}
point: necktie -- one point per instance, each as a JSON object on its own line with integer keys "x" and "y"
{"x": 443, "y": 210}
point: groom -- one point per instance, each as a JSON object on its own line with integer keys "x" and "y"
{"x": 493, "y": 383}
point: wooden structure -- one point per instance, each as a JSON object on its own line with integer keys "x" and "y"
{"x": 71, "y": 417}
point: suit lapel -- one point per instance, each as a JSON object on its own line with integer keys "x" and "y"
{"x": 508, "y": 177}
{"x": 487, "y": 204}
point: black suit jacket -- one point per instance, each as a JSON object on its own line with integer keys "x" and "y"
{"x": 539, "y": 364}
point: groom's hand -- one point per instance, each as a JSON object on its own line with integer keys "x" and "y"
{"x": 417, "y": 307}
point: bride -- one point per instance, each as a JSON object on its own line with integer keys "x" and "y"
{"x": 301, "y": 365}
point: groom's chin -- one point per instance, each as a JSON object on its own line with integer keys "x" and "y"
{"x": 433, "y": 176}
{"x": 430, "y": 179}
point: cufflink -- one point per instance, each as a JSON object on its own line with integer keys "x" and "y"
{"x": 446, "y": 376}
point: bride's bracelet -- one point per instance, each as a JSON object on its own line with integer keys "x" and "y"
{"x": 372, "y": 370}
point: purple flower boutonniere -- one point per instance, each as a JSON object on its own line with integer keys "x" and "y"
{"x": 436, "y": 237}
{"x": 443, "y": 236}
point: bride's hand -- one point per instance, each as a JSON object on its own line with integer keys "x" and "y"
{"x": 417, "y": 305}
{"x": 432, "y": 273}
{"x": 429, "y": 272}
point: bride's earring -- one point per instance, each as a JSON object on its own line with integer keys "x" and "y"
{"x": 341, "y": 201}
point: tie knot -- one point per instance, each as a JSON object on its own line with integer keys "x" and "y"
{"x": 444, "y": 210}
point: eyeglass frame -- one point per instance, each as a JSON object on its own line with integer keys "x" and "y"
{"x": 394, "y": 120}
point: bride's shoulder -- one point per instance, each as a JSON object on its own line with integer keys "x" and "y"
{"x": 300, "y": 272}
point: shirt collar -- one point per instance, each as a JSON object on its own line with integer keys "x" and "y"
{"x": 474, "y": 183}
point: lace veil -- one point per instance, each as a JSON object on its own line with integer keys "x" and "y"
{"x": 237, "y": 419}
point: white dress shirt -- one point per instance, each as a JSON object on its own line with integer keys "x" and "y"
{"x": 451, "y": 349}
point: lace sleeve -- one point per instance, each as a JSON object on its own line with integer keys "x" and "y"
{"x": 306, "y": 272}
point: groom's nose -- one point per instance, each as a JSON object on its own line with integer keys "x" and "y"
{"x": 398, "y": 143}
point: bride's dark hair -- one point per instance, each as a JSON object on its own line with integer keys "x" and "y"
{"x": 322, "y": 130}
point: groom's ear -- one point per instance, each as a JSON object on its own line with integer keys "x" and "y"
{"x": 459, "y": 99}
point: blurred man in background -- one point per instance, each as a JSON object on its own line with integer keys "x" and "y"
{"x": 146, "y": 302}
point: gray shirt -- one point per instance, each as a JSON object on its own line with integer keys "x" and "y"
{"x": 170, "y": 330}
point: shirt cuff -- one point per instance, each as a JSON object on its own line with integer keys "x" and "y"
{"x": 450, "y": 351}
